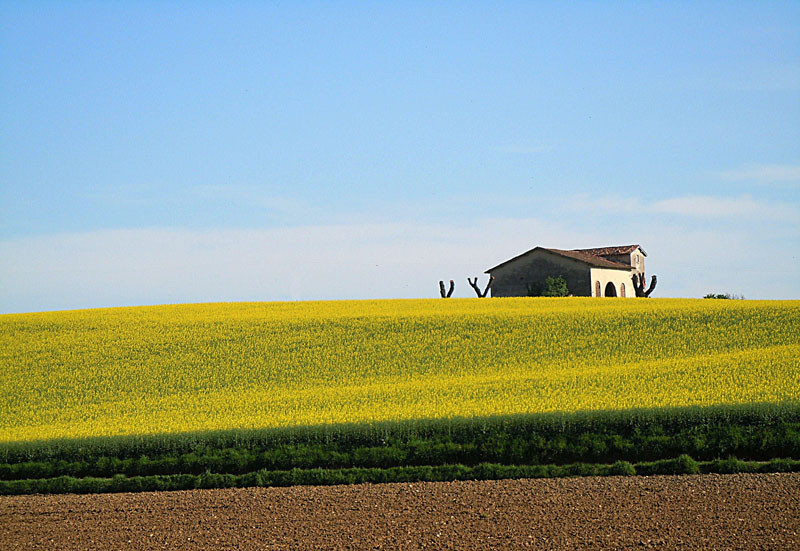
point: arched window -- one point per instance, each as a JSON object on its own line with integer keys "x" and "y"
{"x": 597, "y": 289}
{"x": 622, "y": 289}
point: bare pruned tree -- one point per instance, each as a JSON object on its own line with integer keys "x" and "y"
{"x": 474, "y": 285}
{"x": 448, "y": 293}
{"x": 638, "y": 285}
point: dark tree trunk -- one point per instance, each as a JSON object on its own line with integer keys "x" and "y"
{"x": 474, "y": 285}
{"x": 653, "y": 281}
{"x": 638, "y": 285}
{"x": 448, "y": 293}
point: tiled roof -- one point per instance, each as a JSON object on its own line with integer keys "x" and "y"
{"x": 589, "y": 258}
{"x": 611, "y": 251}
{"x": 580, "y": 256}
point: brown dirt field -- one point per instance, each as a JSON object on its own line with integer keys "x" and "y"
{"x": 667, "y": 512}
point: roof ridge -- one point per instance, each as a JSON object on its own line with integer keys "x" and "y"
{"x": 612, "y": 250}
{"x": 587, "y": 253}
{"x": 579, "y": 255}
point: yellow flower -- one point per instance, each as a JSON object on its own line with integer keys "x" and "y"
{"x": 166, "y": 369}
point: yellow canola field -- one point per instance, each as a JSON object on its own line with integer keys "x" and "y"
{"x": 166, "y": 369}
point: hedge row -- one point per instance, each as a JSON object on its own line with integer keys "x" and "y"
{"x": 683, "y": 464}
{"x": 629, "y": 424}
{"x": 649, "y": 443}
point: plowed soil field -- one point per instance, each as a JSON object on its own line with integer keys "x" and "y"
{"x": 666, "y": 512}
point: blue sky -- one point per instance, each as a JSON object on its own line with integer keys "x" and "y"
{"x": 171, "y": 152}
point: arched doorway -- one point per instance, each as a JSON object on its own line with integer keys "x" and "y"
{"x": 611, "y": 291}
{"x": 597, "y": 289}
{"x": 622, "y": 290}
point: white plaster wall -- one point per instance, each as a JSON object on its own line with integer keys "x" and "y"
{"x": 617, "y": 277}
{"x": 638, "y": 252}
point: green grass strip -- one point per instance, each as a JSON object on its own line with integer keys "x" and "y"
{"x": 485, "y": 471}
{"x": 457, "y": 430}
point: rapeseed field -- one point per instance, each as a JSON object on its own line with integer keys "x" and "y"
{"x": 197, "y": 367}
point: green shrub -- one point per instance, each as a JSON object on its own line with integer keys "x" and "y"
{"x": 680, "y": 465}
{"x": 730, "y": 465}
{"x": 781, "y": 466}
{"x": 685, "y": 465}
{"x": 555, "y": 287}
{"x": 619, "y": 468}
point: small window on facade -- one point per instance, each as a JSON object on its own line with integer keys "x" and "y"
{"x": 635, "y": 260}
{"x": 597, "y": 288}
{"x": 622, "y": 289}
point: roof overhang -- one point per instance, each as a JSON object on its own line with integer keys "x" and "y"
{"x": 584, "y": 258}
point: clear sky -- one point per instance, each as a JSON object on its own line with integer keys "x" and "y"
{"x": 159, "y": 152}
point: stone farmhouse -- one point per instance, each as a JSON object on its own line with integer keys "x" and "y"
{"x": 601, "y": 272}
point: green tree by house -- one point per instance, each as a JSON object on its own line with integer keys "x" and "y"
{"x": 555, "y": 287}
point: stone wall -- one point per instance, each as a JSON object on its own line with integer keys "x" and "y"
{"x": 518, "y": 278}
